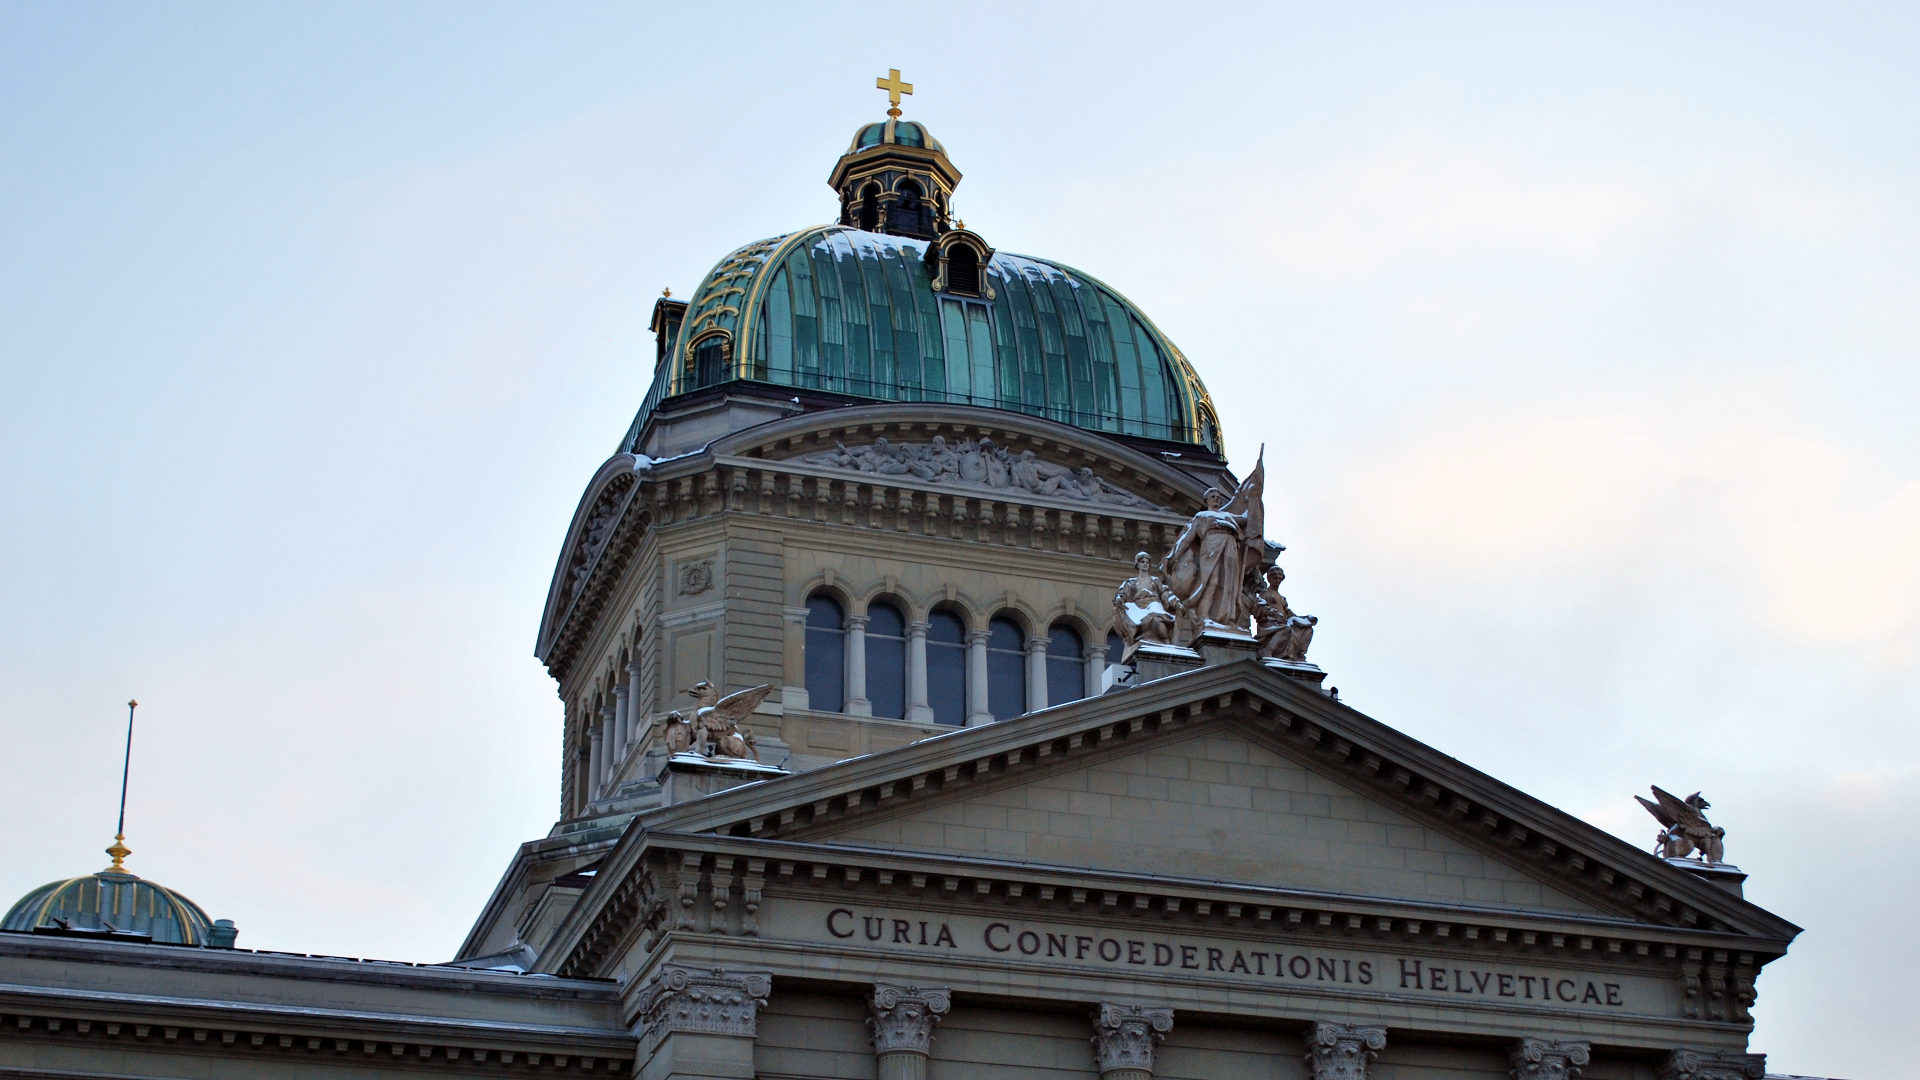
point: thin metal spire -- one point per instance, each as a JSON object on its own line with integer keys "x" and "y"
{"x": 119, "y": 850}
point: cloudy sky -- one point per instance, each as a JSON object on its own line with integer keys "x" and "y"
{"x": 1582, "y": 342}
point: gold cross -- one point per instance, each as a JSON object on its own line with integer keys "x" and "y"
{"x": 894, "y": 88}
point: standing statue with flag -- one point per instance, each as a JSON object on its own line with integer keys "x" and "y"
{"x": 1210, "y": 562}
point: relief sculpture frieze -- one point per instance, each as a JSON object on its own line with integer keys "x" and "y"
{"x": 976, "y": 463}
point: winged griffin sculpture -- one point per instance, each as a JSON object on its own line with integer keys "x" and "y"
{"x": 714, "y": 730}
{"x": 1687, "y": 828}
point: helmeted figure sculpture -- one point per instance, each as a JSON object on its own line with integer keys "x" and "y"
{"x": 1145, "y": 609}
{"x": 1687, "y": 828}
{"x": 1282, "y": 634}
{"x": 1208, "y": 565}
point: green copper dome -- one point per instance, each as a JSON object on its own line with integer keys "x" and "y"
{"x": 904, "y": 133}
{"x": 842, "y": 311}
{"x": 113, "y": 901}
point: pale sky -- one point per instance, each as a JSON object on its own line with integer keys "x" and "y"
{"x": 1582, "y": 341}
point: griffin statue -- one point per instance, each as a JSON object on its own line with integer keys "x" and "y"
{"x": 1687, "y": 828}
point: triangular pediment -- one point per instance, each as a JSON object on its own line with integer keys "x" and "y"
{"x": 1233, "y": 775}
{"x": 1209, "y": 803}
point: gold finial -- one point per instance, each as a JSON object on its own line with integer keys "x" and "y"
{"x": 894, "y": 88}
{"x": 667, "y": 292}
{"x": 119, "y": 851}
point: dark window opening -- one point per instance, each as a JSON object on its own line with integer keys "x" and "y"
{"x": 709, "y": 361}
{"x": 1115, "y": 648}
{"x": 909, "y": 214}
{"x": 1006, "y": 669}
{"x": 963, "y": 270}
{"x": 887, "y": 661}
{"x": 870, "y": 208}
{"x": 947, "y": 668}
{"x": 826, "y": 654}
{"x": 1066, "y": 665}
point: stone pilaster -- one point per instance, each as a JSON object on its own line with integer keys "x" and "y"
{"x": 1341, "y": 1051}
{"x": 1547, "y": 1059}
{"x": 903, "y": 1021}
{"x": 1124, "y": 1037}
{"x": 977, "y": 712}
{"x": 857, "y": 703}
{"x": 1037, "y": 693}
{"x": 699, "y": 1023}
{"x": 918, "y": 709}
{"x": 1711, "y": 1065}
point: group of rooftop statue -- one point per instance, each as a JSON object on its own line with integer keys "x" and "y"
{"x": 1220, "y": 575}
{"x": 714, "y": 731}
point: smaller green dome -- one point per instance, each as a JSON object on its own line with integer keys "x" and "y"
{"x": 902, "y": 133}
{"x": 115, "y": 901}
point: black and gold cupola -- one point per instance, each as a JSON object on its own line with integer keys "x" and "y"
{"x": 895, "y": 177}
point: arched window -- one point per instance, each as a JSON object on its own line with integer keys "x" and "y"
{"x": 826, "y": 654}
{"x": 887, "y": 661}
{"x": 1006, "y": 669}
{"x": 709, "y": 360}
{"x": 1066, "y": 665}
{"x": 909, "y": 214}
{"x": 947, "y": 667}
{"x": 870, "y": 208}
{"x": 963, "y": 271}
{"x": 1116, "y": 649}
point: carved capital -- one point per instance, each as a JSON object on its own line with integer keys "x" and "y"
{"x": 1124, "y": 1037}
{"x": 1708, "y": 1065}
{"x": 706, "y": 1001}
{"x": 904, "y": 1017}
{"x": 1547, "y": 1059}
{"x": 1341, "y": 1051}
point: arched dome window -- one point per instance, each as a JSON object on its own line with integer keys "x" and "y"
{"x": 870, "y": 208}
{"x": 963, "y": 270}
{"x": 909, "y": 214}
{"x": 947, "y": 667}
{"x": 1066, "y": 665}
{"x": 709, "y": 360}
{"x": 1006, "y": 668}
{"x": 826, "y": 653}
{"x": 887, "y": 661}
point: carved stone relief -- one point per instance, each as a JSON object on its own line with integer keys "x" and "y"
{"x": 975, "y": 463}
{"x": 1547, "y": 1059}
{"x": 707, "y": 1001}
{"x": 600, "y": 523}
{"x": 1707, "y": 1065}
{"x": 904, "y": 1017}
{"x": 1124, "y": 1037}
{"x": 696, "y": 577}
{"x": 1341, "y": 1051}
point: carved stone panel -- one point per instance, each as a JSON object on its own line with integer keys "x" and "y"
{"x": 707, "y": 1001}
{"x": 978, "y": 464}
{"x": 1547, "y": 1059}
{"x": 1341, "y": 1051}
{"x": 1707, "y": 1065}
{"x": 904, "y": 1017}
{"x": 1124, "y": 1037}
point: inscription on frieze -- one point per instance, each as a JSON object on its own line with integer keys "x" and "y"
{"x": 1267, "y": 963}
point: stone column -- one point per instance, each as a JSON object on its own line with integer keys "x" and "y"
{"x": 1712, "y": 1065}
{"x": 977, "y": 711}
{"x": 700, "y": 1023}
{"x": 1341, "y": 1051}
{"x": 794, "y": 659}
{"x": 622, "y": 724}
{"x": 857, "y": 702}
{"x": 596, "y": 762}
{"x": 1547, "y": 1059}
{"x": 1124, "y": 1037}
{"x": 606, "y": 748}
{"x": 1036, "y": 673}
{"x": 1096, "y": 669}
{"x": 636, "y": 708}
{"x": 917, "y": 707}
{"x": 903, "y": 1021}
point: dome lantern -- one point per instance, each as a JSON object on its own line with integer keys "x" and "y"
{"x": 895, "y": 177}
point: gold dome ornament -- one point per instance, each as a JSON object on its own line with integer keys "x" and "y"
{"x": 894, "y": 88}
{"x": 119, "y": 851}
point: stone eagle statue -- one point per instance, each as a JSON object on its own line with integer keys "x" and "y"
{"x": 1687, "y": 828}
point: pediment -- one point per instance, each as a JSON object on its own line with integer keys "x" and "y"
{"x": 1269, "y": 785}
{"x": 1213, "y": 802}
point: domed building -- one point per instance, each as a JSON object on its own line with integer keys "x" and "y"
{"x": 930, "y": 710}
{"x": 118, "y": 903}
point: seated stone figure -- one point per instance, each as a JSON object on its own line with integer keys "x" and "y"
{"x": 1282, "y": 634}
{"x": 1144, "y": 609}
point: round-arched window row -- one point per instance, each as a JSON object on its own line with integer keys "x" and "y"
{"x": 878, "y": 665}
